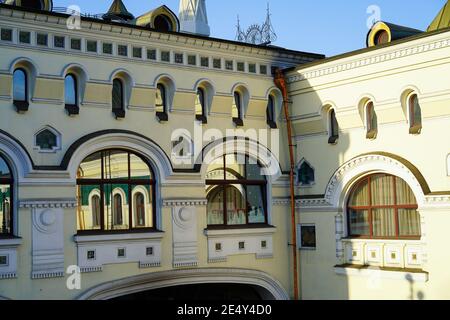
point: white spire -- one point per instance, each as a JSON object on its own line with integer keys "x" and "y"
{"x": 193, "y": 17}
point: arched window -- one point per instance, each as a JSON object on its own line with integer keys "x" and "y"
{"x": 95, "y": 209}
{"x": 162, "y": 23}
{"x": 270, "y": 112}
{"x": 200, "y": 106}
{"x": 71, "y": 94}
{"x": 334, "y": 128}
{"x": 236, "y": 192}
{"x": 371, "y": 121}
{"x": 383, "y": 206}
{"x": 20, "y": 90}
{"x": 6, "y": 195}
{"x": 117, "y": 210}
{"x": 139, "y": 203}
{"x": 118, "y": 101}
{"x": 236, "y": 111}
{"x": 33, "y": 4}
{"x": 116, "y": 173}
{"x": 381, "y": 37}
{"x": 306, "y": 175}
{"x": 161, "y": 102}
{"x": 415, "y": 114}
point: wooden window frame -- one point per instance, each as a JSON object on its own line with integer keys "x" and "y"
{"x": 396, "y": 207}
{"x": 129, "y": 182}
{"x": 243, "y": 182}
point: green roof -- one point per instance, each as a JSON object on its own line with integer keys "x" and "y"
{"x": 442, "y": 20}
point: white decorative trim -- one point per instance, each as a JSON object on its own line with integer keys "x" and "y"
{"x": 264, "y": 256}
{"x": 108, "y": 238}
{"x": 281, "y": 202}
{"x": 217, "y": 260}
{"x": 46, "y": 275}
{"x": 379, "y": 56}
{"x": 185, "y": 202}
{"x": 56, "y": 102}
{"x": 156, "y": 280}
{"x": 91, "y": 269}
{"x": 437, "y": 202}
{"x": 6, "y": 276}
{"x": 145, "y": 265}
{"x": 384, "y": 274}
{"x": 185, "y": 264}
{"x": 46, "y": 204}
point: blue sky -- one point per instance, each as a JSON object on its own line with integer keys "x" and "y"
{"x": 322, "y": 26}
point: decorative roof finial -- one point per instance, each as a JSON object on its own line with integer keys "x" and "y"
{"x": 118, "y": 11}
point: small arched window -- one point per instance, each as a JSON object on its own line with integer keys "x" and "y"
{"x": 95, "y": 204}
{"x": 115, "y": 173}
{"x": 161, "y": 102}
{"x": 236, "y": 192}
{"x": 334, "y": 127}
{"x": 383, "y": 206}
{"x": 46, "y": 140}
{"x": 236, "y": 111}
{"x": 71, "y": 94}
{"x": 33, "y": 4}
{"x": 118, "y": 101}
{"x": 200, "y": 106}
{"x": 381, "y": 37}
{"x": 20, "y": 90}
{"x": 6, "y": 195}
{"x": 415, "y": 114}
{"x": 163, "y": 23}
{"x": 117, "y": 210}
{"x": 139, "y": 203}
{"x": 371, "y": 121}
{"x": 270, "y": 112}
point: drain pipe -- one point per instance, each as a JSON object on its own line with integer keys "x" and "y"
{"x": 280, "y": 82}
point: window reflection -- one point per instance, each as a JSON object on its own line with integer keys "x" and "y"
{"x": 6, "y": 192}
{"x": 70, "y": 90}
{"x": 20, "y": 85}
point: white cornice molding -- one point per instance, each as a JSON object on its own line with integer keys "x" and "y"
{"x": 362, "y": 60}
{"x": 184, "y": 202}
{"x": 51, "y": 203}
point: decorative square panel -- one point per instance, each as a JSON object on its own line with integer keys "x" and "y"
{"x": 6, "y": 34}
{"x": 393, "y": 255}
{"x": 25, "y": 37}
{"x": 151, "y": 54}
{"x": 204, "y": 62}
{"x": 241, "y": 245}
{"x": 414, "y": 256}
{"x": 91, "y": 46}
{"x": 373, "y": 254}
{"x": 192, "y": 60}
{"x": 165, "y": 56}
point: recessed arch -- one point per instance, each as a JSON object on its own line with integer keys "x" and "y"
{"x": 156, "y": 280}
{"x": 31, "y": 71}
{"x": 16, "y": 155}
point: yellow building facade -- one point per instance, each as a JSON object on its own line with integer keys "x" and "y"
{"x": 137, "y": 153}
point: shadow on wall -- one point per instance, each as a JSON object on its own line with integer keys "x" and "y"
{"x": 419, "y": 295}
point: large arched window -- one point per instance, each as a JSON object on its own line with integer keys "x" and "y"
{"x": 6, "y": 196}
{"x": 71, "y": 94}
{"x": 382, "y": 206}
{"x": 415, "y": 114}
{"x": 118, "y": 100}
{"x": 371, "y": 121}
{"x": 20, "y": 90}
{"x": 236, "y": 192}
{"x": 236, "y": 110}
{"x": 116, "y": 174}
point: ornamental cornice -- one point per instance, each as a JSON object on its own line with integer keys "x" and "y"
{"x": 375, "y": 58}
{"x": 184, "y": 202}
{"x": 47, "y": 204}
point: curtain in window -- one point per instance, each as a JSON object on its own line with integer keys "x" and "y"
{"x": 404, "y": 193}
{"x": 383, "y": 222}
{"x": 382, "y": 188}
{"x": 409, "y": 222}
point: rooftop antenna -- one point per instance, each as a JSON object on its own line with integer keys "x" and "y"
{"x": 263, "y": 34}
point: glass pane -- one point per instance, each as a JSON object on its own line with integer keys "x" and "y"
{"x": 142, "y": 207}
{"x": 409, "y": 222}
{"x": 117, "y": 94}
{"x": 236, "y": 205}
{"x": 255, "y": 203}
{"x": 270, "y": 106}
{"x": 235, "y": 166}
{"x": 91, "y": 167}
{"x": 139, "y": 169}
{"x": 116, "y": 165}
{"x": 383, "y": 222}
{"x": 254, "y": 170}
{"x": 415, "y": 111}
{"x": 70, "y": 90}
{"x": 199, "y": 102}
{"x": 89, "y": 211}
{"x": 160, "y": 98}
{"x": 215, "y": 206}
{"x": 405, "y": 195}
{"x": 306, "y": 175}
{"x": 360, "y": 196}
{"x": 4, "y": 170}
{"x": 216, "y": 170}
{"x": 5, "y": 209}
{"x": 46, "y": 140}
{"x": 116, "y": 208}
{"x": 382, "y": 189}
{"x": 19, "y": 86}
{"x": 334, "y": 124}
{"x": 359, "y": 222}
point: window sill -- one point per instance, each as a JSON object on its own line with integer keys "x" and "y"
{"x": 21, "y": 106}
{"x": 414, "y": 275}
{"x": 119, "y": 114}
{"x": 239, "y": 231}
{"x": 201, "y": 118}
{"x": 123, "y": 236}
{"x": 272, "y": 124}
{"x": 72, "y": 110}
{"x": 10, "y": 242}
{"x": 383, "y": 240}
{"x": 238, "y": 122}
{"x": 162, "y": 116}
{"x": 333, "y": 140}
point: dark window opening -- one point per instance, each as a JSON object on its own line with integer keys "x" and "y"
{"x": 271, "y": 113}
{"x": 20, "y": 90}
{"x": 163, "y": 23}
{"x": 334, "y": 128}
{"x": 306, "y": 174}
{"x": 118, "y": 103}
{"x": 6, "y": 199}
{"x": 46, "y": 140}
